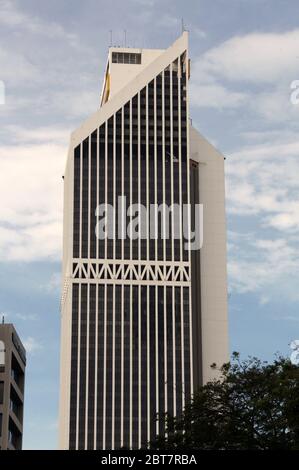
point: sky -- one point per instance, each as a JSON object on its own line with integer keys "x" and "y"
{"x": 245, "y": 56}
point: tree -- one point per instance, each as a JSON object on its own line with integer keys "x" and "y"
{"x": 253, "y": 406}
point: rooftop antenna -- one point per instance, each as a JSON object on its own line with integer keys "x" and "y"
{"x": 3, "y": 319}
{"x": 111, "y": 37}
{"x": 183, "y": 26}
{"x": 125, "y": 37}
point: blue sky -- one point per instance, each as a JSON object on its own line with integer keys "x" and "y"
{"x": 245, "y": 54}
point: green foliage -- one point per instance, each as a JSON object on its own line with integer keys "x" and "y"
{"x": 254, "y": 405}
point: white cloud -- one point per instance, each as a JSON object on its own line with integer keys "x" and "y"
{"x": 256, "y": 57}
{"x": 37, "y": 135}
{"x": 264, "y": 300}
{"x": 37, "y": 242}
{"x": 76, "y": 105}
{"x": 54, "y": 284}
{"x": 16, "y": 68}
{"x": 57, "y": 79}
{"x": 274, "y": 104}
{"x": 11, "y": 316}
{"x": 31, "y": 345}
{"x": 263, "y": 192}
{"x": 262, "y": 180}
{"x": 262, "y": 64}
{"x": 144, "y": 3}
{"x": 14, "y": 16}
{"x": 198, "y": 32}
{"x": 167, "y": 20}
{"x": 215, "y": 96}
{"x": 268, "y": 267}
{"x": 31, "y": 201}
{"x": 26, "y": 317}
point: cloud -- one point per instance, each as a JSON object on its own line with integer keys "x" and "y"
{"x": 254, "y": 58}
{"x": 54, "y": 283}
{"x": 31, "y": 193}
{"x": 26, "y": 317}
{"x": 215, "y": 96}
{"x": 263, "y": 202}
{"x": 262, "y": 65}
{"x": 16, "y": 62}
{"x": 74, "y": 105}
{"x": 57, "y": 81}
{"x": 15, "y": 17}
{"x": 45, "y": 134}
{"x": 262, "y": 181}
{"x": 31, "y": 345}
{"x": 268, "y": 267}
{"x": 264, "y": 300}
{"x": 11, "y": 316}
{"x": 198, "y": 32}
{"x": 144, "y": 3}
{"x": 37, "y": 242}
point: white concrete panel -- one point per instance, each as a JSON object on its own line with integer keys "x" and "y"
{"x": 214, "y": 321}
{"x": 122, "y": 74}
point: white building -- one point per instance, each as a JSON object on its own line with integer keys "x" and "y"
{"x": 142, "y": 320}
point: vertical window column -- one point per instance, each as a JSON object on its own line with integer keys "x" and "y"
{"x": 160, "y": 167}
{"x": 91, "y": 366}
{"x": 176, "y": 156}
{"x": 161, "y": 358}
{"x": 131, "y": 176}
{"x": 110, "y": 182}
{"x": 100, "y": 365}
{"x": 85, "y": 200}
{"x": 169, "y": 329}
{"x": 168, "y": 159}
{"x": 143, "y": 163}
{"x": 74, "y": 367}
{"x": 152, "y": 351}
{"x": 178, "y": 352}
{"x": 118, "y": 372}
{"x": 88, "y": 399}
{"x": 82, "y": 368}
{"x": 109, "y": 365}
{"x": 118, "y": 182}
{"x": 135, "y": 168}
{"x": 102, "y": 180}
{"x": 126, "y": 372}
{"x": 77, "y": 202}
{"x": 151, "y": 163}
{"x": 127, "y": 172}
{"x": 135, "y": 367}
{"x": 144, "y": 366}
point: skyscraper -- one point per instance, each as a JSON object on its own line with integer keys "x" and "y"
{"x": 12, "y": 380}
{"x": 143, "y": 318}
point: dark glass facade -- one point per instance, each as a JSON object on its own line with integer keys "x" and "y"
{"x": 131, "y": 355}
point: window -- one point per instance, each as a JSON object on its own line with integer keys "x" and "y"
{"x": 16, "y": 373}
{"x": 15, "y": 404}
{"x": 126, "y": 58}
{"x": 1, "y": 392}
{"x": 2, "y": 354}
{"x": 14, "y": 436}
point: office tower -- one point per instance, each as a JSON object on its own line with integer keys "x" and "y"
{"x": 142, "y": 318}
{"x": 12, "y": 378}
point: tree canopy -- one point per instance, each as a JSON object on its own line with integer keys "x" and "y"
{"x": 253, "y": 406}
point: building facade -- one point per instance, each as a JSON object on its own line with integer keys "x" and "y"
{"x": 142, "y": 317}
{"x": 12, "y": 381}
